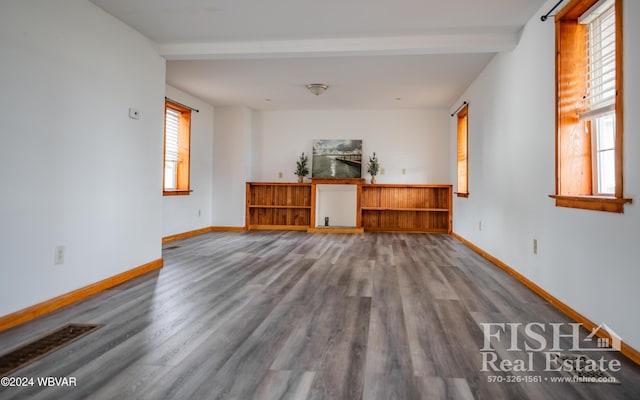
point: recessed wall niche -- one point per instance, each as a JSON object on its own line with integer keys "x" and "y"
{"x": 338, "y": 203}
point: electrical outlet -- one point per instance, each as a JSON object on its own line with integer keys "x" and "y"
{"x": 280, "y": 174}
{"x": 479, "y": 225}
{"x": 535, "y": 246}
{"x": 199, "y": 212}
{"x": 404, "y": 171}
{"x": 59, "y": 255}
{"x": 381, "y": 171}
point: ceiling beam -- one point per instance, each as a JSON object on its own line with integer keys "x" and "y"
{"x": 436, "y": 43}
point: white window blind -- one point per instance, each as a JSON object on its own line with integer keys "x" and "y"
{"x": 171, "y": 153}
{"x": 171, "y": 135}
{"x": 600, "y": 74}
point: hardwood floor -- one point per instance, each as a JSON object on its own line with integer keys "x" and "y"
{"x": 291, "y": 315}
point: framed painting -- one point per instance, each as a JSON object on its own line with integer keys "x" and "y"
{"x": 336, "y": 158}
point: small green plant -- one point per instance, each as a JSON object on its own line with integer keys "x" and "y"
{"x": 301, "y": 167}
{"x": 374, "y": 166}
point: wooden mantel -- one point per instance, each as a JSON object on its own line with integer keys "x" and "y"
{"x": 337, "y": 181}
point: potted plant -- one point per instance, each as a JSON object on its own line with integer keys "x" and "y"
{"x": 373, "y": 167}
{"x": 301, "y": 167}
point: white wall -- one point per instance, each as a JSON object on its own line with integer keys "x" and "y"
{"x": 188, "y": 213}
{"x": 77, "y": 171}
{"x": 587, "y": 259}
{"x": 258, "y": 145}
{"x": 412, "y": 139}
{"x": 232, "y": 164}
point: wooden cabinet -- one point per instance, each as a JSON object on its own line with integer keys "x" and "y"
{"x": 419, "y": 208}
{"x": 381, "y": 207}
{"x": 278, "y": 206}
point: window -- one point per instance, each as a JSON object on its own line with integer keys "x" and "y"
{"x": 604, "y": 149}
{"x": 177, "y": 132}
{"x": 589, "y": 106}
{"x": 463, "y": 153}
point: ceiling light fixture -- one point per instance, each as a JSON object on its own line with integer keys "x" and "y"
{"x": 317, "y": 88}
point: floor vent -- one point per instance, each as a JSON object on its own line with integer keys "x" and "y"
{"x": 583, "y": 369}
{"x": 30, "y": 352}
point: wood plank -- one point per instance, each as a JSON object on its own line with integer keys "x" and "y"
{"x": 428, "y": 354}
{"x": 275, "y": 206}
{"x": 405, "y": 209}
{"x": 339, "y": 372}
{"x": 436, "y": 388}
{"x": 389, "y": 370}
{"x": 285, "y": 314}
{"x": 285, "y": 385}
{"x": 360, "y": 283}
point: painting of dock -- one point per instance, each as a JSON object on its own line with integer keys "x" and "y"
{"x": 336, "y": 158}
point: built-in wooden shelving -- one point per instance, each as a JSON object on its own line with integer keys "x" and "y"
{"x": 278, "y": 206}
{"x": 417, "y": 208}
{"x": 381, "y": 207}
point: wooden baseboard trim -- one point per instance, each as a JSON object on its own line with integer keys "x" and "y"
{"x": 184, "y": 235}
{"x": 227, "y": 229}
{"x": 37, "y": 310}
{"x": 336, "y": 230}
{"x": 197, "y": 232}
{"x": 277, "y": 227}
{"x": 625, "y": 349}
{"x": 407, "y": 230}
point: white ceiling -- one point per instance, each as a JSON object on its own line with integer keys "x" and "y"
{"x": 371, "y": 53}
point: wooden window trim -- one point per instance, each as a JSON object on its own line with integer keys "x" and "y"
{"x": 463, "y": 150}
{"x": 184, "y": 174}
{"x": 575, "y": 196}
{"x": 177, "y": 192}
{"x": 596, "y": 203}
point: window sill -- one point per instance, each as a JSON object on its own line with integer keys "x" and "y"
{"x": 180, "y": 192}
{"x": 596, "y": 203}
{"x": 462, "y": 194}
